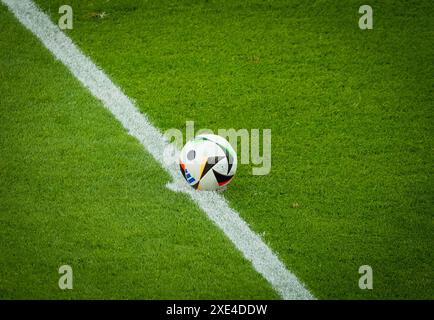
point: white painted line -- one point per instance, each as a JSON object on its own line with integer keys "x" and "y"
{"x": 215, "y": 206}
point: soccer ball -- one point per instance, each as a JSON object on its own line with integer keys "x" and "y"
{"x": 208, "y": 162}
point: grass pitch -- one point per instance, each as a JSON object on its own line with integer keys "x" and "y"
{"x": 77, "y": 190}
{"x": 351, "y": 114}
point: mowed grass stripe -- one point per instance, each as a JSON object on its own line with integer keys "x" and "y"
{"x": 214, "y": 205}
{"x": 75, "y": 189}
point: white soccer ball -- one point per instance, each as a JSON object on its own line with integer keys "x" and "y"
{"x": 208, "y": 162}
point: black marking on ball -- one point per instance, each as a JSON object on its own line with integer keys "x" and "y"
{"x": 211, "y": 162}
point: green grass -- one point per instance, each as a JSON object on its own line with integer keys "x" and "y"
{"x": 351, "y": 114}
{"x": 77, "y": 190}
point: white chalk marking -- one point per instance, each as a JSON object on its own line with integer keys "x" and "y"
{"x": 213, "y": 204}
